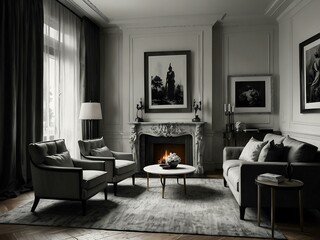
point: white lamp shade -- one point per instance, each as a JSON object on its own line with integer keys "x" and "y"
{"x": 90, "y": 111}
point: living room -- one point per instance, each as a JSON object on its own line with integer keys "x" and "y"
{"x": 222, "y": 41}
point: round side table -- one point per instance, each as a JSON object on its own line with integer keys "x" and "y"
{"x": 287, "y": 184}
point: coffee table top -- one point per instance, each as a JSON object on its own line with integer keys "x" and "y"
{"x": 180, "y": 169}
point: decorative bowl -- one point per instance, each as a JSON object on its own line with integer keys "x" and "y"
{"x": 173, "y": 164}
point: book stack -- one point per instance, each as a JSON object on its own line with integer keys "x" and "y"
{"x": 271, "y": 177}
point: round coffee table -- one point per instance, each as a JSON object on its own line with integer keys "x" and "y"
{"x": 181, "y": 169}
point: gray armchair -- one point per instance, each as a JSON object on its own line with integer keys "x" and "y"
{"x": 56, "y": 175}
{"x": 119, "y": 165}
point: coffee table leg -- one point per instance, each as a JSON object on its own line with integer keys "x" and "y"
{"x": 147, "y": 181}
{"x": 259, "y": 204}
{"x": 184, "y": 182}
{"x": 301, "y": 210}
{"x": 163, "y": 183}
{"x": 272, "y": 210}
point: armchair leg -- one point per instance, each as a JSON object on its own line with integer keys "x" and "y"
{"x": 133, "y": 179}
{"x": 35, "y": 203}
{"x": 115, "y": 188}
{"x": 242, "y": 212}
{"x": 105, "y": 193}
{"x": 84, "y": 207}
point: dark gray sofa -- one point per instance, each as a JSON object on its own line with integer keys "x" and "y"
{"x": 240, "y": 175}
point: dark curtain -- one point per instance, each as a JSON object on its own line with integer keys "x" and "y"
{"x": 90, "y": 72}
{"x": 21, "y": 74}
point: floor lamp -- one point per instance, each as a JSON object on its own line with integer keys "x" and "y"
{"x": 90, "y": 111}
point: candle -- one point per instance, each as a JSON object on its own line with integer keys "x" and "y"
{"x": 225, "y": 107}
{"x": 232, "y": 108}
{"x": 229, "y": 107}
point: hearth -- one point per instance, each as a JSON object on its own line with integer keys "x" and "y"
{"x": 152, "y": 149}
{"x": 167, "y": 133}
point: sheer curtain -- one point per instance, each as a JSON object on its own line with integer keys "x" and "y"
{"x": 62, "y": 75}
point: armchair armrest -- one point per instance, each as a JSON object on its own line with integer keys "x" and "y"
{"x": 122, "y": 155}
{"x": 231, "y": 153}
{"x": 57, "y": 182}
{"x": 109, "y": 164}
{"x": 90, "y": 164}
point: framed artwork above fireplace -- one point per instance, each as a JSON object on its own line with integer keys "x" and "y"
{"x": 167, "y": 81}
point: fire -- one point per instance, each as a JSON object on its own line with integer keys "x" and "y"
{"x": 163, "y": 158}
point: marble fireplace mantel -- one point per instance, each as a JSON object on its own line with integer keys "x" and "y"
{"x": 169, "y": 129}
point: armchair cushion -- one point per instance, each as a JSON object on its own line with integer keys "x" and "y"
{"x": 59, "y": 159}
{"x": 124, "y": 166}
{"x": 101, "y": 152}
{"x": 92, "y": 178}
{"x": 87, "y": 145}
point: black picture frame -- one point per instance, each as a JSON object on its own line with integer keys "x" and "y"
{"x": 309, "y": 57}
{"x": 251, "y": 93}
{"x": 167, "y": 90}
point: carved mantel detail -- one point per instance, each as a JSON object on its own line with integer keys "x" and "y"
{"x": 169, "y": 129}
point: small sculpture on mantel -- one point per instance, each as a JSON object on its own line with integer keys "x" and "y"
{"x": 196, "y": 107}
{"x": 140, "y": 107}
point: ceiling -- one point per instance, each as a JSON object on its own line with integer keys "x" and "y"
{"x": 106, "y": 12}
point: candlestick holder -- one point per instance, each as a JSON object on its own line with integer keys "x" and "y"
{"x": 139, "y": 107}
{"x": 196, "y": 107}
{"x": 229, "y": 112}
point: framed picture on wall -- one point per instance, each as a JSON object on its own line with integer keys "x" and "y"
{"x": 309, "y": 54}
{"x": 167, "y": 81}
{"x": 250, "y": 94}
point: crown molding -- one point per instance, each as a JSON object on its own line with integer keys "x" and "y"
{"x": 171, "y": 21}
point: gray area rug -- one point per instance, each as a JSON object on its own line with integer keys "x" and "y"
{"x": 207, "y": 209}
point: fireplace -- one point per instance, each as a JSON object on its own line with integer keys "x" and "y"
{"x": 189, "y": 134}
{"x": 153, "y": 149}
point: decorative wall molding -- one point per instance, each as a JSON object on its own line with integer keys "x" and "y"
{"x": 170, "y": 129}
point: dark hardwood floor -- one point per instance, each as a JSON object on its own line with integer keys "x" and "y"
{"x": 288, "y": 224}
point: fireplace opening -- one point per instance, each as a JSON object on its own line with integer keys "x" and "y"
{"x": 162, "y": 150}
{"x": 153, "y": 148}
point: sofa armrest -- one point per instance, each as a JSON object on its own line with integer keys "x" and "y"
{"x": 110, "y": 165}
{"x": 122, "y": 155}
{"x": 249, "y": 172}
{"x": 231, "y": 153}
{"x": 90, "y": 164}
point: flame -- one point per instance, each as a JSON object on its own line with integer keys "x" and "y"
{"x": 164, "y": 157}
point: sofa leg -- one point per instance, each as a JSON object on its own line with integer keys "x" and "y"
{"x": 242, "y": 212}
{"x": 115, "y": 188}
{"x": 35, "y": 203}
{"x": 84, "y": 207}
{"x": 225, "y": 184}
{"x": 105, "y": 193}
{"x": 133, "y": 180}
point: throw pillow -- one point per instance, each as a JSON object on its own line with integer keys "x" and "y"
{"x": 272, "y": 152}
{"x": 252, "y": 150}
{"x": 101, "y": 152}
{"x": 59, "y": 160}
{"x": 297, "y": 151}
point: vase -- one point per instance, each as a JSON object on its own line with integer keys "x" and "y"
{"x": 173, "y": 164}
{"x": 289, "y": 171}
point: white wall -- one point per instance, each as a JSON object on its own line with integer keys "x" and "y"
{"x": 228, "y": 49}
{"x": 299, "y": 23}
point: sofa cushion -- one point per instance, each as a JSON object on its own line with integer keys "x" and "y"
{"x": 87, "y": 145}
{"x": 297, "y": 151}
{"x": 272, "y": 152}
{"x": 252, "y": 150}
{"x": 230, "y": 164}
{"x": 59, "y": 160}
{"x": 124, "y": 166}
{"x": 275, "y": 137}
{"x": 92, "y": 178}
{"x": 101, "y": 152}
